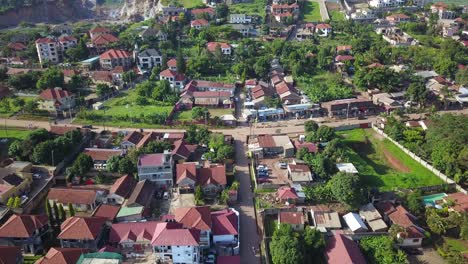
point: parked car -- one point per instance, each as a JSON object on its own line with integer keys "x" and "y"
{"x": 283, "y": 165}
{"x": 210, "y": 259}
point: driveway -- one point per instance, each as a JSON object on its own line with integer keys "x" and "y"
{"x": 248, "y": 225}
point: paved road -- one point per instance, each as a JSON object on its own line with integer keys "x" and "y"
{"x": 323, "y": 9}
{"x": 248, "y": 226}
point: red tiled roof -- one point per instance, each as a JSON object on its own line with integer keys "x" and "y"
{"x": 285, "y": 193}
{"x": 344, "y": 48}
{"x": 282, "y": 87}
{"x": 323, "y": 26}
{"x": 172, "y": 63}
{"x": 62, "y": 255}
{"x": 344, "y": 58}
{"x": 461, "y": 201}
{"x": 82, "y": 228}
{"x": 74, "y": 196}
{"x": 375, "y": 65}
{"x": 186, "y": 170}
{"x": 212, "y": 45}
{"x": 251, "y": 82}
{"x": 103, "y": 76}
{"x": 199, "y": 11}
{"x": 400, "y": 217}
{"x": 104, "y": 39}
{"x": 67, "y": 39}
{"x": 139, "y": 231}
{"x": 228, "y": 259}
{"x": 341, "y": 249}
{"x": 292, "y": 218}
{"x": 10, "y": 254}
{"x": 211, "y": 94}
{"x": 194, "y": 217}
{"x": 23, "y": 226}
{"x": 177, "y": 237}
{"x": 45, "y": 40}
{"x": 98, "y": 154}
{"x": 199, "y": 22}
{"x": 155, "y": 159}
{"x": 170, "y": 73}
{"x": 266, "y": 141}
{"x": 100, "y": 30}
{"x": 69, "y": 72}
{"x": 299, "y": 168}
{"x": 225, "y": 222}
{"x": 412, "y": 232}
{"x": 311, "y": 147}
{"x": 213, "y": 175}
{"x": 182, "y": 149}
{"x": 54, "y": 94}
{"x": 107, "y": 211}
{"x": 115, "y": 54}
{"x": 123, "y": 186}
{"x": 17, "y": 46}
{"x": 397, "y": 16}
{"x": 147, "y": 138}
{"x": 61, "y": 130}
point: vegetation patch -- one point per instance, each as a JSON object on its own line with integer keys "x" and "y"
{"x": 257, "y": 7}
{"x": 382, "y": 164}
{"x": 311, "y": 12}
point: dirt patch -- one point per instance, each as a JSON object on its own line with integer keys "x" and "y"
{"x": 395, "y": 163}
{"x": 378, "y": 136}
{"x": 333, "y": 6}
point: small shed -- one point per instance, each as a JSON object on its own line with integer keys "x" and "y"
{"x": 98, "y": 106}
{"x": 355, "y": 223}
{"x": 347, "y": 168}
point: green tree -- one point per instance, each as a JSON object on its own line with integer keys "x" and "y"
{"x": 42, "y": 153}
{"x": 48, "y": 209}
{"x": 181, "y": 65}
{"x": 272, "y": 102}
{"x": 381, "y": 250}
{"x": 11, "y": 202}
{"x": 415, "y": 202}
{"x": 71, "y": 210}
{"x": 462, "y": 77}
{"x": 224, "y": 152}
{"x": 30, "y": 107}
{"x": 129, "y": 76}
{"x": 200, "y": 113}
{"x": 17, "y": 202}
{"x": 323, "y": 134}
{"x": 446, "y": 67}
{"x": 346, "y": 188}
{"x": 103, "y": 90}
{"x": 313, "y": 245}
{"x": 417, "y": 92}
{"x": 310, "y": 126}
{"x": 113, "y": 164}
{"x": 78, "y": 53}
{"x": 126, "y": 166}
{"x": 222, "y": 10}
{"x": 82, "y": 164}
{"x": 285, "y": 247}
{"x": 262, "y": 67}
{"x": 51, "y": 78}
{"x": 76, "y": 82}
{"x": 198, "y": 195}
{"x": 62, "y": 213}
{"x": 56, "y": 212}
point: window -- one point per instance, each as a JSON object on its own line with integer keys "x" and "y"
{"x": 416, "y": 240}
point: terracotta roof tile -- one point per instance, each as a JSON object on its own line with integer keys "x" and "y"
{"x": 123, "y": 186}
{"x": 213, "y": 175}
{"x": 82, "y": 228}
{"x": 212, "y": 45}
{"x": 225, "y": 222}
{"x": 194, "y": 217}
{"x": 186, "y": 170}
{"x": 10, "y": 254}
{"x": 23, "y": 225}
{"x": 74, "y": 196}
{"x": 341, "y": 249}
{"x": 98, "y": 154}
{"x": 115, "y": 54}
{"x": 62, "y": 255}
{"x": 54, "y": 94}
{"x": 292, "y": 218}
{"x": 139, "y": 231}
{"x": 285, "y": 193}
{"x": 107, "y": 211}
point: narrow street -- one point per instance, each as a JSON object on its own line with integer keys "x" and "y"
{"x": 248, "y": 226}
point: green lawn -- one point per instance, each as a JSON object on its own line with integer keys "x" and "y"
{"x": 221, "y": 111}
{"x": 12, "y": 108}
{"x": 271, "y": 224}
{"x": 457, "y": 244}
{"x": 15, "y": 133}
{"x": 382, "y": 164}
{"x": 311, "y": 12}
{"x": 184, "y": 115}
{"x": 185, "y": 3}
{"x": 257, "y": 7}
{"x": 336, "y": 15}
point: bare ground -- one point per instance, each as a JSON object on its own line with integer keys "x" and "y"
{"x": 394, "y": 162}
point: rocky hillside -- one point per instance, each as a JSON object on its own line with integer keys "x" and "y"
{"x": 139, "y": 9}
{"x": 49, "y": 11}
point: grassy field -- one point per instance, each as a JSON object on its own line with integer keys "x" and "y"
{"x": 336, "y": 15}
{"x": 457, "y": 244}
{"x": 456, "y": 2}
{"x": 382, "y": 164}
{"x": 311, "y": 12}
{"x": 10, "y": 132}
{"x": 220, "y": 112}
{"x": 184, "y": 115}
{"x": 257, "y": 7}
{"x": 185, "y": 3}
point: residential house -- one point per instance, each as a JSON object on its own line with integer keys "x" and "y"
{"x": 131, "y": 140}
{"x": 355, "y": 223}
{"x": 114, "y": 57}
{"x": 245, "y": 30}
{"x": 97, "y": 31}
{"x": 323, "y": 30}
{"x": 460, "y": 202}
{"x": 294, "y": 219}
{"x": 183, "y": 151}
{"x": 81, "y": 199}
{"x": 311, "y": 147}
{"x": 442, "y": 10}
{"x": 306, "y": 31}
{"x": 56, "y": 100}
{"x": 26, "y": 231}
{"x": 208, "y": 99}
{"x": 176, "y": 244}
{"x": 282, "y": 11}
{"x": 200, "y": 12}
{"x": 156, "y": 168}
{"x": 57, "y": 255}
{"x": 101, "y": 156}
{"x": 385, "y": 3}
{"x": 226, "y": 229}
{"x": 50, "y": 50}
{"x": 413, "y": 234}
{"x": 346, "y": 168}
{"x": 142, "y": 194}
{"x": 107, "y": 211}
{"x": 15, "y": 179}
{"x": 274, "y": 145}
{"x": 62, "y": 29}
{"x": 153, "y": 34}
{"x": 16, "y": 47}
{"x": 396, "y": 37}
{"x": 176, "y": 80}
{"x": 260, "y": 92}
{"x": 226, "y": 49}
{"x": 186, "y": 176}
{"x": 121, "y": 189}
{"x": 341, "y": 249}
{"x": 10, "y": 254}
{"x": 397, "y": 18}
{"x": 172, "y": 64}
{"x": 324, "y": 218}
{"x": 133, "y": 237}
{"x": 344, "y": 49}
{"x": 287, "y": 195}
{"x": 82, "y": 232}
{"x": 132, "y": 214}
{"x": 212, "y": 179}
{"x": 197, "y": 218}
{"x": 208, "y": 86}
{"x": 172, "y": 10}
{"x": 149, "y": 58}
{"x": 300, "y": 174}
{"x": 240, "y": 19}
{"x": 372, "y": 217}
{"x": 103, "y": 41}
{"x": 199, "y": 23}
{"x": 102, "y": 77}
{"x": 287, "y": 93}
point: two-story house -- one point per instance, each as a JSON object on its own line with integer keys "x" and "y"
{"x": 50, "y": 50}
{"x": 149, "y": 58}
{"x": 199, "y": 23}
{"x": 82, "y": 232}
{"x": 26, "y": 231}
{"x": 175, "y": 79}
{"x": 196, "y": 217}
{"x": 15, "y": 179}
{"x": 121, "y": 189}
{"x": 81, "y": 199}
{"x": 226, "y": 229}
{"x": 133, "y": 237}
{"x": 114, "y": 57}
{"x": 323, "y": 30}
{"x": 156, "y": 168}
{"x": 100, "y": 156}
{"x": 226, "y": 48}
{"x": 98, "y": 31}
{"x": 176, "y": 244}
{"x": 212, "y": 179}
{"x": 56, "y": 100}
{"x": 239, "y": 19}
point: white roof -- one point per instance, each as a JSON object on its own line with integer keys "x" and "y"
{"x": 354, "y": 222}
{"x": 228, "y": 118}
{"x": 346, "y": 167}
